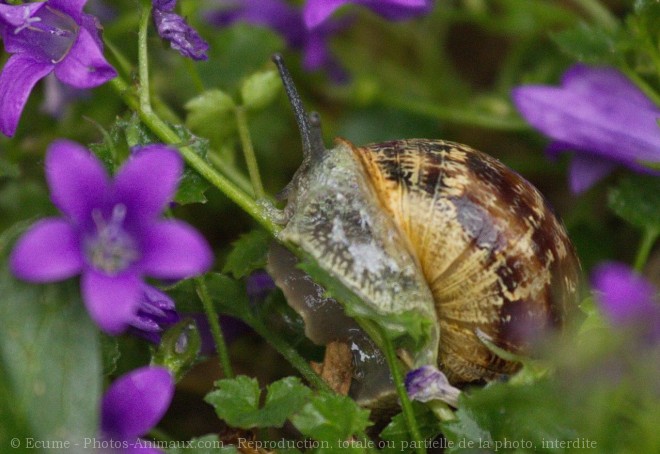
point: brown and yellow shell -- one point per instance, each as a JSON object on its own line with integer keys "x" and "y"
{"x": 495, "y": 257}
{"x": 443, "y": 229}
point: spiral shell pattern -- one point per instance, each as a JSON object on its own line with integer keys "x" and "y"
{"x": 496, "y": 258}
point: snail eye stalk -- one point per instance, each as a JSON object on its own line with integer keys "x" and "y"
{"x": 309, "y": 125}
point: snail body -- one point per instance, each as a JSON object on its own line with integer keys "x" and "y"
{"x": 440, "y": 229}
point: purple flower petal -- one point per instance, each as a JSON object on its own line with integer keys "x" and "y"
{"x": 598, "y": 112}
{"x": 174, "y": 250}
{"x": 15, "y": 15}
{"x": 112, "y": 301}
{"x": 18, "y": 77}
{"x": 587, "y": 81}
{"x": 316, "y": 12}
{"x": 135, "y": 402}
{"x": 156, "y": 312}
{"x": 73, "y": 8}
{"x": 428, "y": 383}
{"x": 164, "y": 5}
{"x": 624, "y": 295}
{"x": 174, "y": 28}
{"x": 587, "y": 170}
{"x": 85, "y": 66}
{"x": 77, "y": 180}
{"x": 112, "y": 234}
{"x": 275, "y": 14}
{"x": 48, "y": 252}
{"x": 146, "y": 183}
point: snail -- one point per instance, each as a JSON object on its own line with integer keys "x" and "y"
{"x": 436, "y": 228}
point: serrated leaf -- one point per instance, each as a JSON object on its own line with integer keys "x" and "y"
{"x": 465, "y": 433}
{"x": 211, "y": 115}
{"x": 637, "y": 201}
{"x": 331, "y": 418}
{"x": 260, "y": 89}
{"x": 50, "y": 362}
{"x": 236, "y": 401}
{"x": 396, "y": 434}
{"x": 248, "y": 253}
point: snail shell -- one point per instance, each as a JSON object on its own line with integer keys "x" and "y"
{"x": 438, "y": 228}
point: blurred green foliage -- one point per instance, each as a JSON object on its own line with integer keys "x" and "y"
{"x": 447, "y": 75}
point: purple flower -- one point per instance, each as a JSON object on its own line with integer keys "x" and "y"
{"x": 598, "y": 113}
{"x": 173, "y": 28}
{"x": 156, "y": 312}
{"x": 58, "y": 96}
{"x": 627, "y": 298}
{"x": 316, "y": 12}
{"x": 111, "y": 232}
{"x": 287, "y": 21}
{"x": 133, "y": 405}
{"x": 51, "y": 36}
{"x": 259, "y": 285}
{"x": 428, "y": 383}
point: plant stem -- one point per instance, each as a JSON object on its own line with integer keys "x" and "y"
{"x": 397, "y": 376}
{"x": 167, "y": 135}
{"x": 216, "y": 330}
{"x": 194, "y": 75}
{"x": 455, "y": 115}
{"x": 649, "y": 237}
{"x": 248, "y": 151}
{"x": 143, "y": 59}
{"x": 600, "y": 14}
{"x": 236, "y": 176}
{"x": 122, "y": 61}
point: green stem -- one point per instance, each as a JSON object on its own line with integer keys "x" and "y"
{"x": 397, "y": 376}
{"x": 289, "y": 353}
{"x": 216, "y": 330}
{"x": 167, "y": 135}
{"x": 194, "y": 75}
{"x": 649, "y": 237}
{"x": 248, "y": 151}
{"x": 143, "y": 59}
{"x": 455, "y": 115}
{"x": 122, "y": 61}
{"x": 600, "y": 15}
{"x": 641, "y": 84}
{"x": 237, "y": 177}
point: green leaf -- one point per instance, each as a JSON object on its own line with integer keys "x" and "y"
{"x": 260, "y": 89}
{"x": 211, "y": 115}
{"x": 332, "y": 418}
{"x": 396, "y": 436}
{"x": 229, "y": 295}
{"x": 248, "y": 253}
{"x": 587, "y": 43}
{"x": 236, "y": 401}
{"x": 637, "y": 200}
{"x": 192, "y": 186}
{"x": 8, "y": 169}
{"x": 110, "y": 353}
{"x": 464, "y": 434}
{"x": 206, "y": 444}
{"x": 50, "y": 364}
